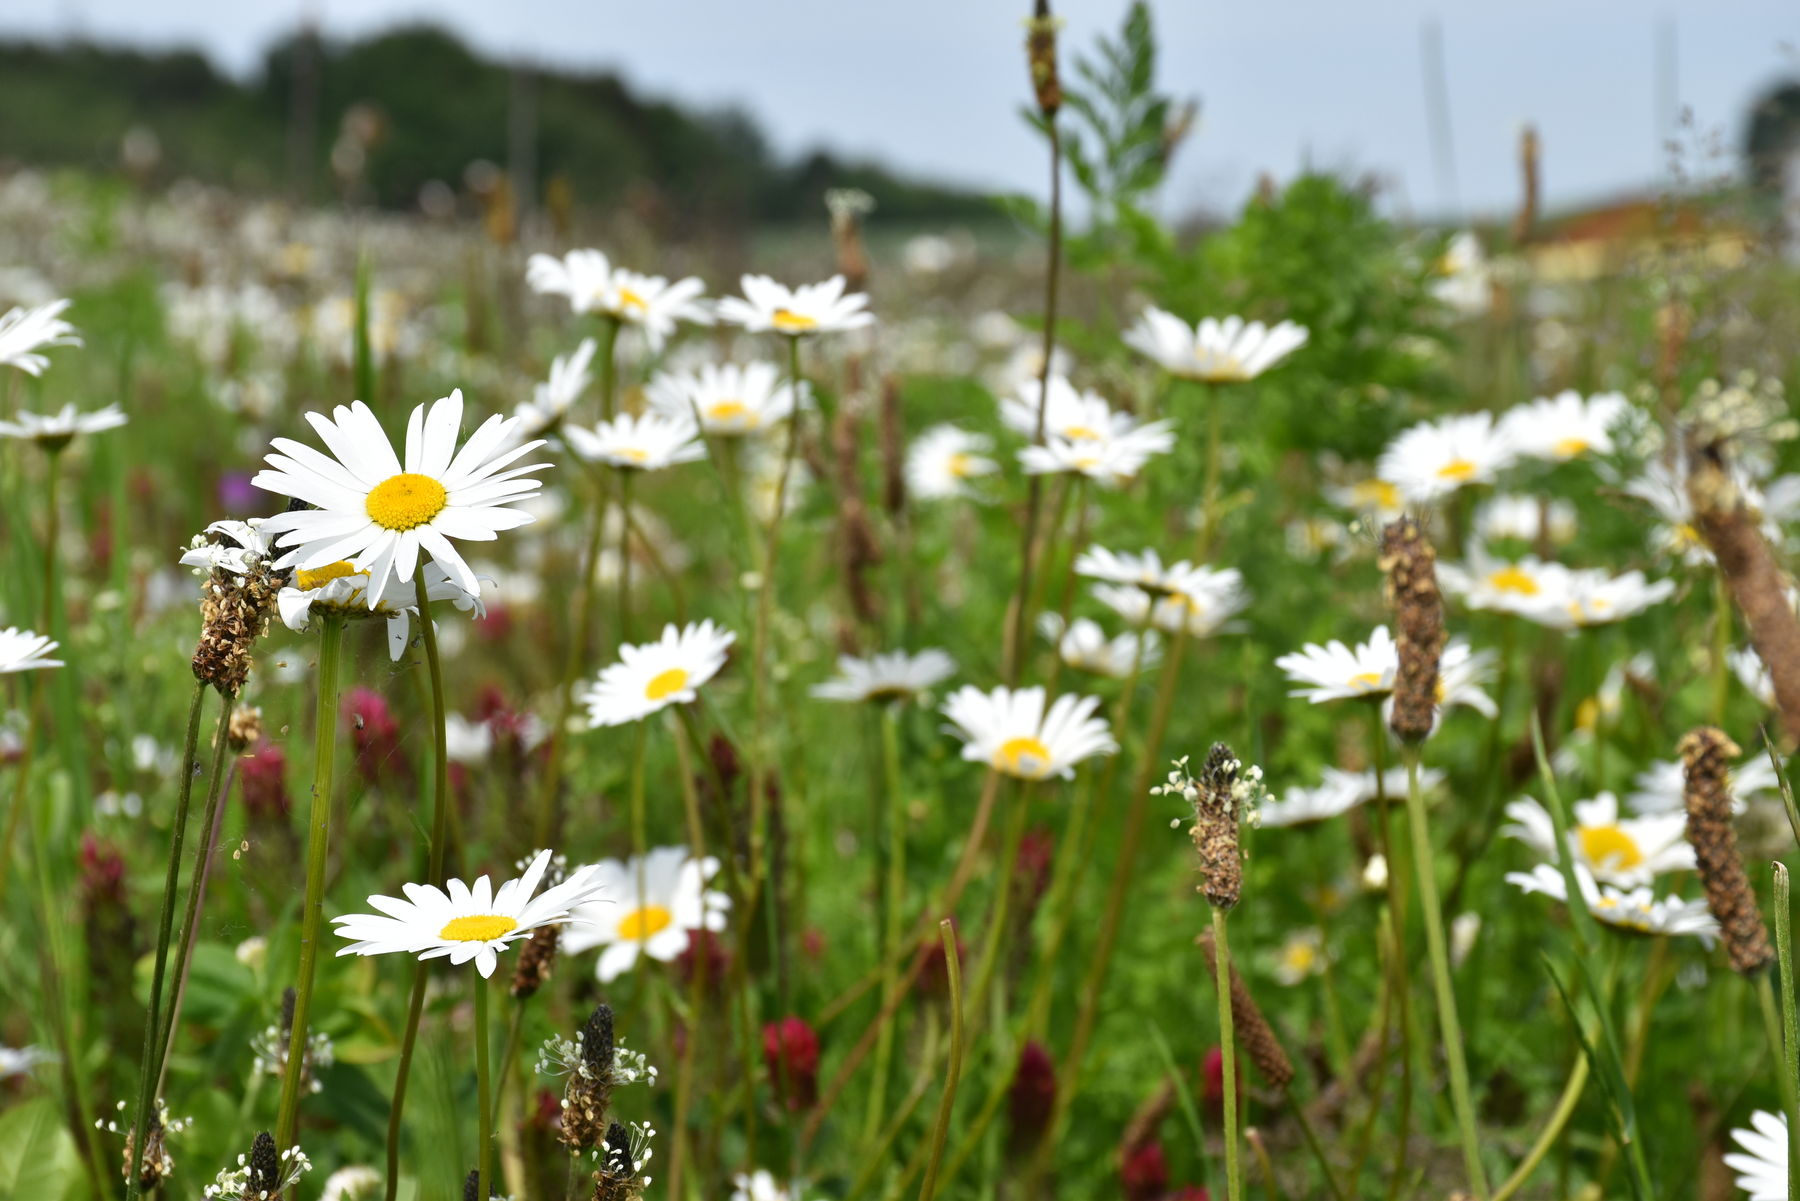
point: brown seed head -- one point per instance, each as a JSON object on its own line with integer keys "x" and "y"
{"x": 1706, "y": 755}
{"x": 1040, "y": 52}
{"x": 537, "y": 959}
{"x": 1254, "y": 1034}
{"x": 1410, "y": 563}
{"x": 1215, "y": 832}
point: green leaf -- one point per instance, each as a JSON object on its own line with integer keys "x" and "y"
{"x": 38, "y": 1161}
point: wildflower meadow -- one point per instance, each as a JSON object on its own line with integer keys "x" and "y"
{"x": 1299, "y": 707}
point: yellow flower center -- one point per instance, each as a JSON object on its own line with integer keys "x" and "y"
{"x": 667, "y": 683}
{"x": 1087, "y": 462}
{"x": 1587, "y": 714}
{"x": 1457, "y": 469}
{"x": 1026, "y": 757}
{"x": 641, "y": 923}
{"x": 1081, "y": 433}
{"x": 405, "y": 501}
{"x": 1299, "y": 958}
{"x": 1685, "y": 536}
{"x": 731, "y": 410}
{"x": 1568, "y": 448}
{"x": 1366, "y": 679}
{"x": 1609, "y": 846}
{"x": 318, "y": 577}
{"x": 631, "y": 300}
{"x": 790, "y": 322}
{"x": 632, "y": 454}
{"x": 477, "y": 927}
{"x": 958, "y": 465}
{"x": 1513, "y": 579}
{"x": 1376, "y": 494}
{"x": 1221, "y": 367}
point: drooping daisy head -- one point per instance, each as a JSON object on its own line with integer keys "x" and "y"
{"x": 593, "y": 285}
{"x": 22, "y": 650}
{"x": 638, "y": 442}
{"x": 942, "y": 462}
{"x": 1217, "y": 350}
{"x": 646, "y": 906}
{"x": 1434, "y": 458}
{"x": 1761, "y": 1158}
{"x": 796, "y": 312}
{"x": 1625, "y": 852}
{"x": 895, "y": 676}
{"x": 379, "y": 513}
{"x": 1112, "y": 459}
{"x": 339, "y": 589}
{"x": 1565, "y": 426}
{"x": 551, "y": 400}
{"x": 651, "y": 676}
{"x": 730, "y": 400}
{"x": 464, "y": 922}
{"x": 56, "y": 430}
{"x": 25, "y": 332}
{"x": 1009, "y": 730}
{"x": 1638, "y": 911}
{"x": 1083, "y": 645}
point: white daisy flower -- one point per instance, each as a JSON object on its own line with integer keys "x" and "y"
{"x": 1216, "y": 350}
{"x": 1111, "y": 460}
{"x": 942, "y": 460}
{"x": 358, "y": 1182}
{"x": 1203, "y": 603}
{"x": 760, "y": 1185}
{"x": 551, "y": 401}
{"x": 1565, "y": 426}
{"x": 467, "y": 922}
{"x": 1009, "y": 730}
{"x": 1753, "y": 674}
{"x": 1338, "y": 792}
{"x": 1662, "y": 787}
{"x": 22, "y": 650}
{"x": 895, "y": 676}
{"x": 1372, "y": 497}
{"x": 56, "y": 430}
{"x": 732, "y": 400}
{"x": 1626, "y": 852}
{"x": 1084, "y": 646}
{"x": 1590, "y": 597}
{"x": 1465, "y": 281}
{"x": 1486, "y": 582}
{"x": 1761, "y": 1160}
{"x": 1525, "y": 518}
{"x": 647, "y": 442}
{"x": 1072, "y": 415}
{"x": 646, "y": 906}
{"x": 797, "y": 312}
{"x": 379, "y": 513}
{"x": 25, "y": 332}
{"x": 19, "y": 1061}
{"x": 1300, "y": 955}
{"x": 1434, "y": 458}
{"x": 651, "y": 676}
{"x": 1638, "y": 910}
{"x": 339, "y": 588}
{"x": 1335, "y": 671}
{"x": 594, "y": 285}
{"x": 1144, "y": 569}
{"x": 467, "y": 741}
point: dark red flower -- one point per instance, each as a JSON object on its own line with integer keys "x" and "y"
{"x": 262, "y": 781}
{"x": 791, "y": 1051}
{"x": 1144, "y": 1172}
{"x": 1033, "y": 1096}
{"x": 374, "y": 733}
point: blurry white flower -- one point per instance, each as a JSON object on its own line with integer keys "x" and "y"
{"x": 1009, "y": 730}
{"x": 1661, "y": 787}
{"x": 631, "y": 442}
{"x": 654, "y": 675}
{"x": 1761, "y": 1160}
{"x": 1626, "y": 852}
{"x": 731, "y": 399}
{"x": 1525, "y": 518}
{"x": 1085, "y": 647}
{"x": 1300, "y": 955}
{"x": 339, "y": 588}
{"x": 943, "y": 459}
{"x": 25, "y": 332}
{"x": 797, "y": 312}
{"x": 1465, "y": 928}
{"x": 1434, "y": 458}
{"x": 1565, "y": 426}
{"x": 895, "y": 676}
{"x": 1215, "y": 350}
{"x": 645, "y": 906}
{"x": 1465, "y": 282}
{"x": 594, "y": 285}
{"x": 551, "y": 401}
{"x": 1204, "y": 601}
{"x": 22, "y": 650}
{"x": 55, "y": 430}
{"x": 1111, "y": 459}
{"x": 1638, "y": 910}
{"x": 18, "y": 1061}
{"x": 1073, "y": 415}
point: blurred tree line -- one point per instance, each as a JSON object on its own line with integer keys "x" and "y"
{"x": 383, "y": 118}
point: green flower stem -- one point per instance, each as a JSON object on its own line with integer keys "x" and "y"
{"x": 1000, "y": 917}
{"x": 697, "y": 983}
{"x": 1402, "y": 973}
{"x": 626, "y": 477}
{"x": 165, "y": 926}
{"x": 609, "y": 368}
{"x": 1425, "y": 872}
{"x": 485, "y": 1156}
{"x": 893, "y": 894}
{"x": 941, "y": 1129}
{"x": 1790, "y": 1020}
{"x": 331, "y": 642}
{"x": 1234, "y": 1169}
{"x": 1209, "y": 512}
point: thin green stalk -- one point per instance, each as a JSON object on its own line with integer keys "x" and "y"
{"x": 609, "y": 368}
{"x": 165, "y": 926}
{"x": 1209, "y": 512}
{"x": 953, "y": 969}
{"x": 1000, "y": 918}
{"x": 625, "y": 481}
{"x": 893, "y": 895}
{"x": 1790, "y": 1020}
{"x": 1234, "y": 1169}
{"x": 196, "y": 882}
{"x": 1315, "y": 1146}
{"x": 1721, "y": 648}
{"x": 485, "y": 1155}
{"x": 1402, "y": 972}
{"x": 331, "y": 641}
{"x": 1425, "y": 871}
{"x": 1559, "y": 1120}
{"x": 697, "y": 982}
{"x": 877, "y": 1157}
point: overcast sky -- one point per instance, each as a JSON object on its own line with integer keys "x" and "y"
{"x": 934, "y": 85}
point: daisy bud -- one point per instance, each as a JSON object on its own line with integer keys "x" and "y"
{"x": 1032, "y": 1098}
{"x": 1254, "y": 1034}
{"x": 1411, "y": 566}
{"x": 1731, "y": 530}
{"x": 536, "y": 960}
{"x": 791, "y": 1051}
{"x": 1040, "y": 52}
{"x": 1706, "y": 756}
{"x": 1216, "y": 795}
